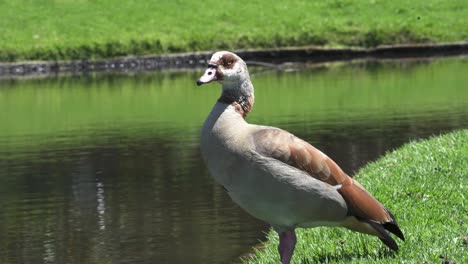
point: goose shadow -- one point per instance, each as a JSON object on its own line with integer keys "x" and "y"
{"x": 335, "y": 257}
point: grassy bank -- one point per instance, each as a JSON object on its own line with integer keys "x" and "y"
{"x": 69, "y": 29}
{"x": 424, "y": 184}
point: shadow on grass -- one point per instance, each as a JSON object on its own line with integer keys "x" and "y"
{"x": 339, "y": 257}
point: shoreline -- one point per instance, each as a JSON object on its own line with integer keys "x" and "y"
{"x": 181, "y": 61}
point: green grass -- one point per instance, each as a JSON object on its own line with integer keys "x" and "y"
{"x": 424, "y": 185}
{"x": 71, "y": 29}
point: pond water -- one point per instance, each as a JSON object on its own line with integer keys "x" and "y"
{"x": 106, "y": 168}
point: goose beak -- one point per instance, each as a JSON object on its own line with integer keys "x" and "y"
{"x": 208, "y": 76}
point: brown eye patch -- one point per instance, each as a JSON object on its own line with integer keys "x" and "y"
{"x": 228, "y": 60}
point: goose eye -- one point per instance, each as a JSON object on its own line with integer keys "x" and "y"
{"x": 228, "y": 63}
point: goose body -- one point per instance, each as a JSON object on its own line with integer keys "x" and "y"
{"x": 267, "y": 188}
{"x": 275, "y": 176}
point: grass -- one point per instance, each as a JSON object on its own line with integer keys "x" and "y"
{"x": 70, "y": 29}
{"x": 424, "y": 185}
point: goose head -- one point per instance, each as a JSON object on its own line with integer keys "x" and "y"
{"x": 231, "y": 71}
{"x": 227, "y": 68}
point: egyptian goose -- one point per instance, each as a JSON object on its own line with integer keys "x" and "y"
{"x": 277, "y": 177}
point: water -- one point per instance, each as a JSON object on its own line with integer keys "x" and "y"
{"x": 106, "y": 168}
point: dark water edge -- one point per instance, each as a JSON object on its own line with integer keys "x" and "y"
{"x": 199, "y": 59}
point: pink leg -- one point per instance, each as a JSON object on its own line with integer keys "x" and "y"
{"x": 286, "y": 246}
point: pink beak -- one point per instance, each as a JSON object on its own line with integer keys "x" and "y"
{"x": 208, "y": 76}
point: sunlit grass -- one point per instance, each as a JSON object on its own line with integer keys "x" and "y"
{"x": 69, "y": 29}
{"x": 424, "y": 185}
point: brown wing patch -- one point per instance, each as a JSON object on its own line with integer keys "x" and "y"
{"x": 362, "y": 203}
{"x": 283, "y": 146}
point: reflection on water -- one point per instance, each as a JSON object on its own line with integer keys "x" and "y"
{"x": 132, "y": 200}
{"x": 106, "y": 169}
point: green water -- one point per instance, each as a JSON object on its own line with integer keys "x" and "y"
{"x": 106, "y": 168}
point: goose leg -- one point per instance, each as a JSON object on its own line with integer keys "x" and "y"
{"x": 286, "y": 246}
